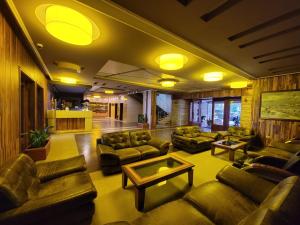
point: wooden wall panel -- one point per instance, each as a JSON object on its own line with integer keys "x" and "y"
{"x": 274, "y": 130}
{"x": 14, "y": 57}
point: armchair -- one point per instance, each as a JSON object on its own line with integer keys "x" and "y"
{"x": 273, "y": 168}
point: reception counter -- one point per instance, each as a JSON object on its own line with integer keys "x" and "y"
{"x": 69, "y": 120}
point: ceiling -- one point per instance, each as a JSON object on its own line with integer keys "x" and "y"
{"x": 260, "y": 37}
{"x": 125, "y": 52}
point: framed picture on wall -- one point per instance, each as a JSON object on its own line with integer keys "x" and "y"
{"x": 281, "y": 105}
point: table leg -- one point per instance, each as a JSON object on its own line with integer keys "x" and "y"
{"x": 191, "y": 176}
{"x": 124, "y": 180}
{"x": 231, "y": 155}
{"x": 212, "y": 151}
{"x": 139, "y": 198}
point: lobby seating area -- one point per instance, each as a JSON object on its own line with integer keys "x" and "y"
{"x": 130, "y": 112}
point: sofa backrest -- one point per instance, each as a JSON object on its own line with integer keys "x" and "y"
{"x": 188, "y": 131}
{"x": 117, "y": 140}
{"x": 239, "y": 131}
{"x": 139, "y": 138}
{"x": 289, "y": 147}
{"x": 281, "y": 206}
{"x": 16, "y": 177}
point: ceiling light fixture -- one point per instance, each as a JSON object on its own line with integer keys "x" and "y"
{"x": 213, "y": 76}
{"x": 171, "y": 61}
{"x": 168, "y": 82}
{"x": 67, "y": 24}
{"x": 108, "y": 91}
{"x": 68, "y": 80}
{"x": 96, "y": 96}
{"x": 238, "y": 84}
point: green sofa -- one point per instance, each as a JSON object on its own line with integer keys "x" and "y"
{"x": 120, "y": 148}
{"x": 192, "y": 139}
{"x": 239, "y": 134}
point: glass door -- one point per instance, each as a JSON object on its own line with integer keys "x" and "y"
{"x": 218, "y": 115}
{"x": 234, "y": 113}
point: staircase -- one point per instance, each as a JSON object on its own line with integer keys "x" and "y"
{"x": 163, "y": 118}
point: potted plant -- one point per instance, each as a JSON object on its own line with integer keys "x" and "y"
{"x": 39, "y": 144}
{"x": 142, "y": 121}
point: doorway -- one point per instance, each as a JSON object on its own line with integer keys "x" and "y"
{"x": 226, "y": 112}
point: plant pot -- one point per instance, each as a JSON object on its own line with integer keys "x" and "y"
{"x": 38, "y": 153}
{"x": 143, "y": 125}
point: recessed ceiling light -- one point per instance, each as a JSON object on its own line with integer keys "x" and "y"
{"x": 171, "y": 61}
{"x": 108, "y": 91}
{"x": 168, "y": 82}
{"x": 68, "y": 80}
{"x": 239, "y": 84}
{"x": 67, "y": 24}
{"x": 213, "y": 76}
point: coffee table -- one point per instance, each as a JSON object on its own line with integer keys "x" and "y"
{"x": 231, "y": 146}
{"x": 149, "y": 172}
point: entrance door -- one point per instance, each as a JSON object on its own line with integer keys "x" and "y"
{"x": 226, "y": 112}
{"x": 218, "y": 115}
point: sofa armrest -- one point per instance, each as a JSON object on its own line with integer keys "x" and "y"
{"x": 270, "y": 173}
{"x": 50, "y": 170}
{"x": 223, "y": 133}
{"x": 247, "y": 137}
{"x": 270, "y": 160}
{"x": 107, "y": 155}
{"x": 163, "y": 146}
{"x": 248, "y": 184}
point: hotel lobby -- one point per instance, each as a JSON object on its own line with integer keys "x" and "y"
{"x": 129, "y": 112}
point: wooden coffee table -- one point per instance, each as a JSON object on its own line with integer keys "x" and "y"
{"x": 234, "y": 145}
{"x": 149, "y": 172}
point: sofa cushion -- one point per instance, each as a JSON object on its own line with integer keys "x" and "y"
{"x": 187, "y": 130}
{"x": 128, "y": 155}
{"x": 202, "y": 139}
{"x": 175, "y": 212}
{"x": 147, "y": 151}
{"x": 16, "y": 179}
{"x": 117, "y": 140}
{"x": 139, "y": 138}
{"x": 211, "y": 199}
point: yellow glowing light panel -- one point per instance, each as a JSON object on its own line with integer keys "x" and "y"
{"x": 68, "y": 80}
{"x": 213, "y": 76}
{"x": 108, "y": 91}
{"x": 239, "y": 84}
{"x": 167, "y": 83}
{"x": 172, "y": 61}
{"x": 68, "y": 25}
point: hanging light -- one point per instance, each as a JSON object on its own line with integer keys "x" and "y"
{"x": 68, "y": 25}
{"x": 171, "y": 61}
{"x": 238, "y": 84}
{"x": 168, "y": 82}
{"x": 213, "y": 76}
{"x": 68, "y": 80}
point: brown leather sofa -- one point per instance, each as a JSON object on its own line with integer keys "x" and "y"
{"x": 237, "y": 198}
{"x": 25, "y": 200}
{"x": 192, "y": 140}
{"x": 119, "y": 148}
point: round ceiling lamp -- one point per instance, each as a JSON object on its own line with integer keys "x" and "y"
{"x": 238, "y": 84}
{"x": 68, "y": 80}
{"x": 67, "y": 24}
{"x": 213, "y": 76}
{"x": 108, "y": 91}
{"x": 168, "y": 82}
{"x": 171, "y": 61}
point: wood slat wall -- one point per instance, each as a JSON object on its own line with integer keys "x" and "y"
{"x": 14, "y": 57}
{"x": 274, "y": 130}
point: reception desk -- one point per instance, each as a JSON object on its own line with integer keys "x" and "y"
{"x": 69, "y": 121}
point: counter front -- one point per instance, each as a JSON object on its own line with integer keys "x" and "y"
{"x": 69, "y": 121}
